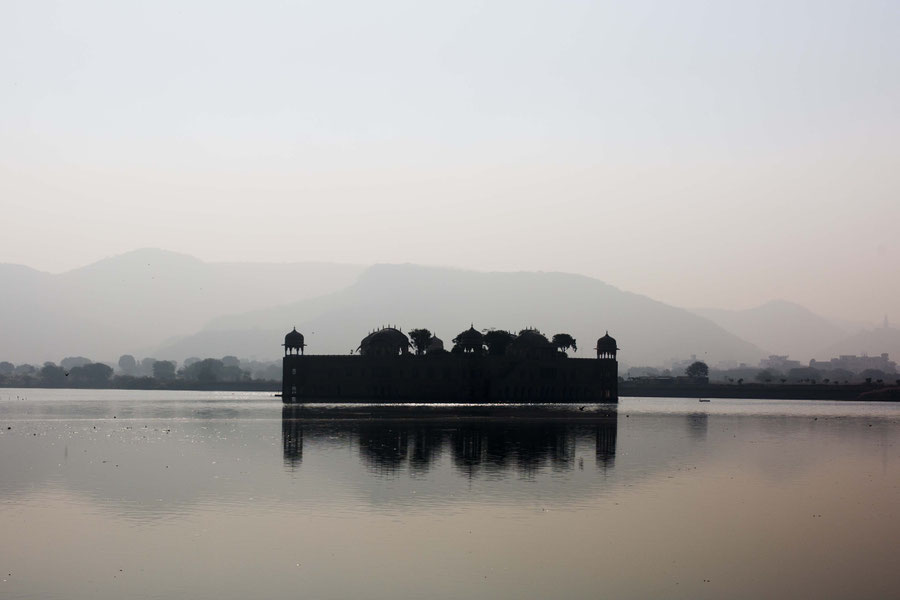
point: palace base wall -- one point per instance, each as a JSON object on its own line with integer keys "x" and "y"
{"x": 448, "y": 378}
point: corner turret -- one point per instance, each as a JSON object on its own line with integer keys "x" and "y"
{"x": 606, "y": 347}
{"x": 293, "y": 343}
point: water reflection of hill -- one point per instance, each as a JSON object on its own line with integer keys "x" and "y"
{"x": 476, "y": 444}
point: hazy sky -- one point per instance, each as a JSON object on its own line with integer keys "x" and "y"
{"x": 703, "y": 153}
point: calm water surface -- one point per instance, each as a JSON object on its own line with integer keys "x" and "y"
{"x": 115, "y": 494}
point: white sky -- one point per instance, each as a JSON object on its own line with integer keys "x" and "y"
{"x": 703, "y": 153}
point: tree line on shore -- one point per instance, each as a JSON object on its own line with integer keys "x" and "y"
{"x": 229, "y": 371}
{"x": 742, "y": 375}
{"x": 79, "y": 371}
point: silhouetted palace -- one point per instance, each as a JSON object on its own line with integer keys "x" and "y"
{"x": 524, "y": 368}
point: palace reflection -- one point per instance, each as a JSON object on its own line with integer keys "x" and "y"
{"x": 475, "y": 446}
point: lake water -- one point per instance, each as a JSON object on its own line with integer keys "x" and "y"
{"x": 133, "y": 494}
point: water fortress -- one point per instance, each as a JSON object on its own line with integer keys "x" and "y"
{"x": 528, "y": 368}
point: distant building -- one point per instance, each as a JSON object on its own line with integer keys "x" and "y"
{"x": 531, "y": 370}
{"x": 670, "y": 380}
{"x": 856, "y": 364}
{"x": 777, "y": 362}
{"x": 679, "y": 366}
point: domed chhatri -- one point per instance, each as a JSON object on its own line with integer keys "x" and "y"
{"x": 606, "y": 347}
{"x": 470, "y": 341}
{"x": 387, "y": 341}
{"x": 435, "y": 346}
{"x": 531, "y": 343}
{"x": 293, "y": 343}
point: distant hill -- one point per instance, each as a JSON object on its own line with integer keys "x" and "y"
{"x": 446, "y": 301}
{"x": 779, "y": 327}
{"x": 872, "y": 342}
{"x": 133, "y": 302}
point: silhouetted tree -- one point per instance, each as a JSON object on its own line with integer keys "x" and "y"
{"x": 92, "y": 375}
{"x": 231, "y": 361}
{"x": 564, "y": 341}
{"x": 643, "y": 372}
{"x": 191, "y": 360}
{"x": 698, "y": 369}
{"x": 497, "y": 340}
{"x": 873, "y": 374}
{"x": 7, "y": 368}
{"x": 838, "y": 374}
{"x": 420, "y": 340}
{"x": 127, "y": 364}
{"x": 164, "y": 370}
{"x": 804, "y": 374}
{"x": 207, "y": 370}
{"x": 272, "y": 372}
{"x": 52, "y": 375}
{"x": 764, "y": 376}
{"x": 25, "y": 369}
{"x": 146, "y": 369}
{"x": 70, "y": 362}
{"x": 233, "y": 373}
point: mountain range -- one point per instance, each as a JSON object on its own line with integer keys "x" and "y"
{"x": 780, "y": 327}
{"x": 133, "y": 302}
{"x": 447, "y": 301}
{"x": 157, "y": 303}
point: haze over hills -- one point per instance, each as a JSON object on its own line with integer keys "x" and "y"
{"x": 167, "y": 305}
{"x": 779, "y": 327}
{"x": 870, "y": 341}
{"x": 133, "y": 302}
{"x": 446, "y": 301}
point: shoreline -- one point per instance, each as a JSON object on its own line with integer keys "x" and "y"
{"x": 844, "y": 393}
{"x": 763, "y": 391}
{"x": 183, "y": 386}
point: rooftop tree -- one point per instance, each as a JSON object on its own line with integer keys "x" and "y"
{"x": 420, "y": 339}
{"x": 564, "y": 341}
{"x": 497, "y": 340}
